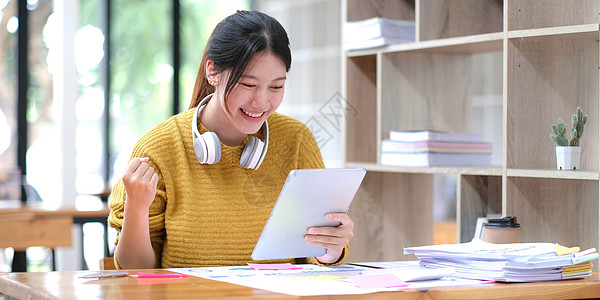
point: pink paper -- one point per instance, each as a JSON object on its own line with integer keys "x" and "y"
{"x": 286, "y": 266}
{"x": 152, "y": 281}
{"x": 377, "y": 281}
{"x": 154, "y": 275}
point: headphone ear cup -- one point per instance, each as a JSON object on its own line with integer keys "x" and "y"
{"x": 214, "y": 147}
{"x": 208, "y": 148}
{"x": 200, "y": 150}
{"x": 251, "y": 155}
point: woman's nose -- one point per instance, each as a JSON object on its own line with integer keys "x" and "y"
{"x": 259, "y": 99}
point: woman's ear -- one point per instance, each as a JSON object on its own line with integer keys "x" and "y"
{"x": 212, "y": 75}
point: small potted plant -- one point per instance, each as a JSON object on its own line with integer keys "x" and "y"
{"x": 568, "y": 153}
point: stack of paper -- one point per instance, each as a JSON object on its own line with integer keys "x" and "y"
{"x": 435, "y": 148}
{"x": 377, "y": 32}
{"x": 518, "y": 262}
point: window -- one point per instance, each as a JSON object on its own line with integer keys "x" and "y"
{"x": 8, "y": 83}
{"x": 43, "y": 136}
{"x": 141, "y": 71}
{"x": 90, "y": 144}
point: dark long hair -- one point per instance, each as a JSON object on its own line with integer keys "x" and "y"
{"x": 234, "y": 42}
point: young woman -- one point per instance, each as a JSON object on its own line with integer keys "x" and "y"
{"x": 200, "y": 186}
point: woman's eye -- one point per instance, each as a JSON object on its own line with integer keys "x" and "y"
{"x": 278, "y": 87}
{"x": 248, "y": 85}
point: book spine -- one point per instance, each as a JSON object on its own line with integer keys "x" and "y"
{"x": 416, "y": 136}
{"x": 430, "y": 159}
{"x": 433, "y": 146}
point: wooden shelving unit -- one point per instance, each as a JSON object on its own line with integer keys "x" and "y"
{"x": 507, "y": 69}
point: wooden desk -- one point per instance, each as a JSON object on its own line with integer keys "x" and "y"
{"x": 29, "y": 226}
{"x": 67, "y": 285}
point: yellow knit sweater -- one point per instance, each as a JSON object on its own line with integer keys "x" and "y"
{"x": 212, "y": 215}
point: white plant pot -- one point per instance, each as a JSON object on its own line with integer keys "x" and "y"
{"x": 567, "y": 158}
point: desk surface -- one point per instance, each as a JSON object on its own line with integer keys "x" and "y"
{"x": 68, "y": 285}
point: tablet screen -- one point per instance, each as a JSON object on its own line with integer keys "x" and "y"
{"x": 306, "y": 196}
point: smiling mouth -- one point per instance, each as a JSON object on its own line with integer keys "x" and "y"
{"x": 256, "y": 115}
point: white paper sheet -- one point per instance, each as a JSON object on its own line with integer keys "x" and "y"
{"x": 314, "y": 280}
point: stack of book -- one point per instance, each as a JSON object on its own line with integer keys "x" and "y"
{"x": 426, "y": 148}
{"x": 377, "y": 32}
{"x": 517, "y": 262}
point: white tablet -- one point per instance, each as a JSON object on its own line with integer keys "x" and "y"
{"x": 306, "y": 196}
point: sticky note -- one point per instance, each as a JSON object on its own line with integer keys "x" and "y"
{"x": 577, "y": 269}
{"x": 377, "y": 281}
{"x": 154, "y": 275}
{"x": 562, "y": 250}
{"x": 318, "y": 277}
{"x": 287, "y": 266}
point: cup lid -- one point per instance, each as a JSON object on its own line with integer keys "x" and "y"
{"x": 506, "y": 222}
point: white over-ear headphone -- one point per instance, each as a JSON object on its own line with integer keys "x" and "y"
{"x": 207, "y": 146}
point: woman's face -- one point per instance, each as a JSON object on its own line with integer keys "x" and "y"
{"x": 257, "y": 94}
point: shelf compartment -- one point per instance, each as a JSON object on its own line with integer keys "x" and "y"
{"x": 438, "y": 19}
{"x": 392, "y": 211}
{"x": 446, "y": 92}
{"x": 361, "y": 129}
{"x": 425, "y": 91}
{"x": 478, "y": 197}
{"x": 555, "y": 210}
{"x": 557, "y": 174}
{"x": 548, "y": 78}
{"x": 528, "y": 14}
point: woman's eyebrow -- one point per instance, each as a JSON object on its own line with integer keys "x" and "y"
{"x": 254, "y": 77}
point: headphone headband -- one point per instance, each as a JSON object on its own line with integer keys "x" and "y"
{"x": 203, "y": 102}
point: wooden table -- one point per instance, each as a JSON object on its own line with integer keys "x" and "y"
{"x": 34, "y": 225}
{"x": 67, "y": 285}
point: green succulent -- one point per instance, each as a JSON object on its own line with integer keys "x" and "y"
{"x": 578, "y": 121}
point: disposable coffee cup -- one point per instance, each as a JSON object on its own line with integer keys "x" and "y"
{"x": 502, "y": 231}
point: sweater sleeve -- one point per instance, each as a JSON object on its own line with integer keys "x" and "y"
{"x": 156, "y": 214}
